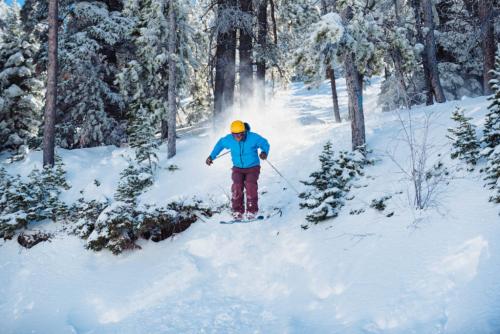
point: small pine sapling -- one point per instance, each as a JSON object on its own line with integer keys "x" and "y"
{"x": 330, "y": 185}
{"x": 465, "y": 144}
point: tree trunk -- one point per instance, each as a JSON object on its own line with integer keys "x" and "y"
{"x": 172, "y": 82}
{"x": 219, "y": 75}
{"x": 488, "y": 42}
{"x": 355, "y": 92}
{"x": 262, "y": 41}
{"x": 396, "y": 58}
{"x": 225, "y": 55}
{"x": 51, "y": 94}
{"x": 245, "y": 49}
{"x": 230, "y": 70}
{"x": 430, "y": 48}
{"x": 420, "y": 39}
{"x": 164, "y": 127}
{"x": 354, "y": 83}
{"x": 331, "y": 74}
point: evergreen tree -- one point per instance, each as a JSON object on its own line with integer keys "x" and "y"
{"x": 20, "y": 90}
{"x": 139, "y": 174}
{"x": 331, "y": 183}
{"x": 145, "y": 80}
{"x": 465, "y": 144}
{"x": 460, "y": 58}
{"x": 318, "y": 52}
{"x": 36, "y": 199}
{"x": 493, "y": 174}
{"x": 91, "y": 43}
{"x": 492, "y": 134}
{"x": 398, "y": 40}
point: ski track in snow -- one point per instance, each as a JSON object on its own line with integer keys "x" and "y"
{"x": 434, "y": 271}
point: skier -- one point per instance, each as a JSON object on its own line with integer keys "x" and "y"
{"x": 244, "y": 146}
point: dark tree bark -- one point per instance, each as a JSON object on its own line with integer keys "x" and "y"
{"x": 51, "y": 93}
{"x": 230, "y": 69}
{"x": 219, "y": 75}
{"x": 262, "y": 41}
{"x": 355, "y": 92}
{"x": 354, "y": 82}
{"x": 397, "y": 59}
{"x": 164, "y": 128}
{"x": 420, "y": 39}
{"x": 488, "y": 42}
{"x": 225, "y": 55}
{"x": 245, "y": 49}
{"x": 430, "y": 47}
{"x": 331, "y": 75}
{"x": 172, "y": 83}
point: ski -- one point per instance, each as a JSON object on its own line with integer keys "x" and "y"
{"x": 241, "y": 221}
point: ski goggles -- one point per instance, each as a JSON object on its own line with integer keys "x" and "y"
{"x": 238, "y": 135}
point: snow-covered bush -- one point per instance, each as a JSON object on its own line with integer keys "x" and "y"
{"x": 133, "y": 181}
{"x": 329, "y": 186}
{"x": 36, "y": 199}
{"x": 83, "y": 214}
{"x": 119, "y": 226}
{"x": 465, "y": 143}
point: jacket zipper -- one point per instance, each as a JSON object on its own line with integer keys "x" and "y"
{"x": 241, "y": 154}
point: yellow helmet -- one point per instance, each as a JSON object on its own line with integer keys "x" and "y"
{"x": 237, "y": 127}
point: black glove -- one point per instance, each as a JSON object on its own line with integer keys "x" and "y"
{"x": 263, "y": 155}
{"x": 209, "y": 161}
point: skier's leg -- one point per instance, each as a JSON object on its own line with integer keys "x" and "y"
{"x": 237, "y": 191}
{"x": 252, "y": 189}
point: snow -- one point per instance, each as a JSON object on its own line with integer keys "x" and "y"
{"x": 430, "y": 271}
{"x": 329, "y": 28}
{"x": 13, "y": 91}
{"x": 15, "y": 60}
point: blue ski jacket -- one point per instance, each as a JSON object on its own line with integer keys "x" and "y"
{"x": 244, "y": 153}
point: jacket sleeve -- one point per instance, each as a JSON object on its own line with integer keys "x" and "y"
{"x": 218, "y": 148}
{"x": 263, "y": 144}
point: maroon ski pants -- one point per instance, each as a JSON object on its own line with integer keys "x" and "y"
{"x": 245, "y": 179}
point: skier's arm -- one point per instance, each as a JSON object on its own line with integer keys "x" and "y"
{"x": 217, "y": 148}
{"x": 263, "y": 144}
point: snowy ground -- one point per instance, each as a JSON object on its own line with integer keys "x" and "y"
{"x": 434, "y": 271}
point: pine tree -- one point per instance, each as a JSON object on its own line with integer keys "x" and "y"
{"x": 331, "y": 183}
{"x": 139, "y": 174}
{"x": 460, "y": 59}
{"x": 91, "y": 46}
{"x": 493, "y": 174}
{"x": 20, "y": 90}
{"x": 318, "y": 53}
{"x": 465, "y": 143}
{"x": 492, "y": 134}
{"x": 36, "y": 199}
{"x": 397, "y": 89}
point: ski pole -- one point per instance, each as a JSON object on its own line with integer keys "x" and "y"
{"x": 220, "y": 155}
{"x": 284, "y": 178}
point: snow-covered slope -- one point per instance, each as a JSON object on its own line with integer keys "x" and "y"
{"x": 433, "y": 271}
